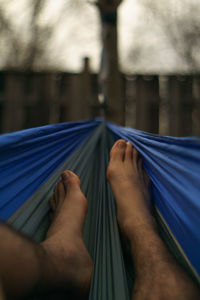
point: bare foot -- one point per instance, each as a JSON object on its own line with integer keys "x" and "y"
{"x": 130, "y": 185}
{"x": 71, "y": 265}
{"x": 157, "y": 274}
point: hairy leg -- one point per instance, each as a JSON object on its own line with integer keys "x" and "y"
{"x": 62, "y": 261}
{"x": 158, "y": 276}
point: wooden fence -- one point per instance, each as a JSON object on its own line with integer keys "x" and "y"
{"x": 167, "y": 105}
{"x": 160, "y": 104}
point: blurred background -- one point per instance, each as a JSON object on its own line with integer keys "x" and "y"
{"x": 132, "y": 62}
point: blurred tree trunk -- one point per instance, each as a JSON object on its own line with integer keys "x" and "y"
{"x": 34, "y": 47}
{"x": 110, "y": 79}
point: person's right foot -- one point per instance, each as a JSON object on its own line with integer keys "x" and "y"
{"x": 157, "y": 274}
{"x": 130, "y": 185}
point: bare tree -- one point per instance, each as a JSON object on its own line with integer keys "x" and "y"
{"x": 23, "y": 53}
{"x": 26, "y": 46}
{"x": 34, "y": 49}
{"x": 179, "y": 22}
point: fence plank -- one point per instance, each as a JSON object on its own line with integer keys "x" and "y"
{"x": 87, "y": 95}
{"x": 2, "y": 88}
{"x": 64, "y": 97}
{"x": 147, "y": 103}
{"x": 77, "y": 99}
{"x": 34, "y": 114}
{"x": 196, "y": 111}
{"x": 74, "y": 98}
{"x": 130, "y": 102}
{"x": 13, "y": 118}
{"x": 50, "y": 94}
{"x": 181, "y": 105}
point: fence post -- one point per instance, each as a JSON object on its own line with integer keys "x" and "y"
{"x": 77, "y": 95}
{"x": 50, "y": 98}
{"x": 13, "y": 116}
{"x": 147, "y": 103}
{"x": 130, "y": 99}
{"x": 33, "y": 108}
{"x": 181, "y": 105}
{"x": 74, "y": 98}
{"x": 64, "y": 98}
{"x": 86, "y": 91}
{"x": 2, "y": 100}
{"x": 196, "y": 111}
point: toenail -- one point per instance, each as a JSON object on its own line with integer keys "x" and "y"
{"x": 121, "y": 145}
{"x": 65, "y": 176}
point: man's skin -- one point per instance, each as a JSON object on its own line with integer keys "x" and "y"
{"x": 26, "y": 266}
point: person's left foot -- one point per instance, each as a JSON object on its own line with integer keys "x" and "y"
{"x": 70, "y": 263}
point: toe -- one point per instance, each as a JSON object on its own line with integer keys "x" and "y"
{"x": 76, "y": 200}
{"x": 146, "y": 178}
{"x": 60, "y": 192}
{"x": 118, "y": 150}
{"x": 129, "y": 152}
{"x": 140, "y": 168}
{"x": 52, "y": 203}
{"x": 70, "y": 179}
{"x": 135, "y": 156}
{"x": 51, "y": 216}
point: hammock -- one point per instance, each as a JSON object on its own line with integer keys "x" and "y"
{"x": 32, "y": 160}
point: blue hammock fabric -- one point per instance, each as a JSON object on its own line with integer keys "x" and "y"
{"x": 32, "y": 160}
{"x": 173, "y": 165}
{"x": 29, "y": 157}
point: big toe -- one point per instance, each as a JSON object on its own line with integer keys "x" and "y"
{"x": 70, "y": 180}
{"x": 117, "y": 152}
{"x": 75, "y": 196}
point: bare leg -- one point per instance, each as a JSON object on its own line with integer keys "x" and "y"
{"x": 158, "y": 276}
{"x": 62, "y": 261}
{"x": 1, "y": 292}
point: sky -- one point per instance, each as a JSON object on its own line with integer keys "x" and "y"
{"x": 143, "y": 46}
{"x": 83, "y": 39}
